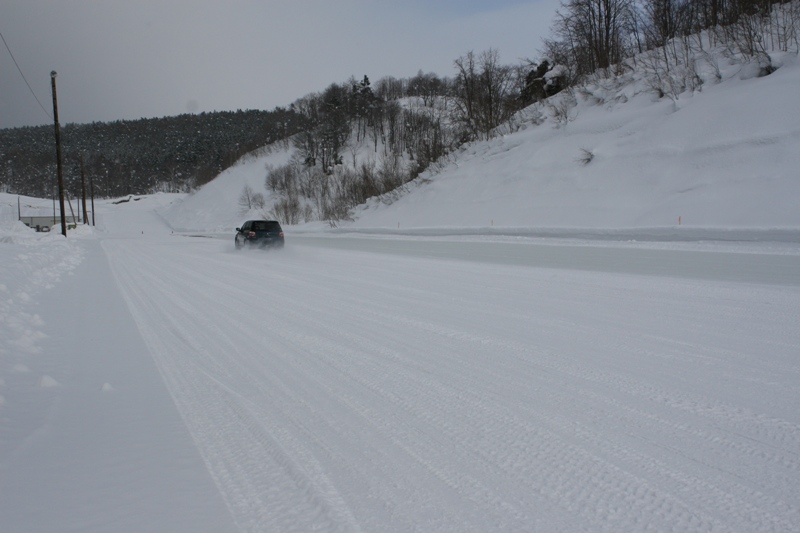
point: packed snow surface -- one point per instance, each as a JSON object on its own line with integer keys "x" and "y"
{"x": 155, "y": 381}
{"x": 519, "y": 343}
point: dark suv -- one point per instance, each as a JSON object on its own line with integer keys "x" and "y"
{"x": 260, "y": 233}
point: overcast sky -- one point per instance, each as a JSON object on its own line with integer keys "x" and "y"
{"x": 129, "y": 59}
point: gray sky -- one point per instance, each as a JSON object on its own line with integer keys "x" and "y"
{"x": 128, "y": 59}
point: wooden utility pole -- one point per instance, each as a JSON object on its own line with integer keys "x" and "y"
{"x": 74, "y": 222}
{"x": 58, "y": 155}
{"x": 91, "y": 191}
{"x": 91, "y": 188}
{"x": 83, "y": 191}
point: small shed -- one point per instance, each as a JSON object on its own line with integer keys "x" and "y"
{"x": 44, "y": 222}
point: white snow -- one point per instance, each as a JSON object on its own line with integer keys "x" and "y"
{"x": 537, "y": 347}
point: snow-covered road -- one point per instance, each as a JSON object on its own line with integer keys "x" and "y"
{"x": 341, "y": 390}
{"x": 770, "y": 263}
{"x": 346, "y": 390}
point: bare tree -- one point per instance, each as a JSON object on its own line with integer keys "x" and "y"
{"x": 246, "y": 199}
{"x": 467, "y": 92}
{"x": 287, "y": 210}
{"x": 483, "y": 92}
{"x": 595, "y": 32}
{"x": 427, "y": 87}
{"x": 258, "y": 201}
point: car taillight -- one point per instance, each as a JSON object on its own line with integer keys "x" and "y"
{"x": 280, "y": 234}
{"x": 251, "y": 234}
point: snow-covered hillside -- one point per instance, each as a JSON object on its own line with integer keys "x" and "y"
{"x": 724, "y": 156}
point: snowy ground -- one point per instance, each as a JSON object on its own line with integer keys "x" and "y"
{"x": 160, "y": 382}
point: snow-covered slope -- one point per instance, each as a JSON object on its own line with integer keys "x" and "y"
{"x": 215, "y": 206}
{"x": 724, "y": 156}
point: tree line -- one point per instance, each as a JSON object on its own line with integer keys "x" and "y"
{"x": 171, "y": 154}
{"x": 593, "y": 35}
{"x": 366, "y": 141}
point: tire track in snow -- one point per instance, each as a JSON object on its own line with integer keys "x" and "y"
{"x": 352, "y": 394}
{"x": 259, "y": 475}
{"x": 422, "y": 325}
{"x": 721, "y": 412}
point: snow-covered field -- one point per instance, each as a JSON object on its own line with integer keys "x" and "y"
{"x": 545, "y": 350}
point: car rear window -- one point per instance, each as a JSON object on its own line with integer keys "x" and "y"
{"x": 266, "y": 226}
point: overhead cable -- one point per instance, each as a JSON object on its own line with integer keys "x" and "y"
{"x": 23, "y": 77}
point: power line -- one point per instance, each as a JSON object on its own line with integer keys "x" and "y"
{"x": 23, "y": 77}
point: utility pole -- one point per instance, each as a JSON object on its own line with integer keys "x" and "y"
{"x": 69, "y": 202}
{"x": 91, "y": 188}
{"x": 53, "y": 75}
{"x": 83, "y": 192}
